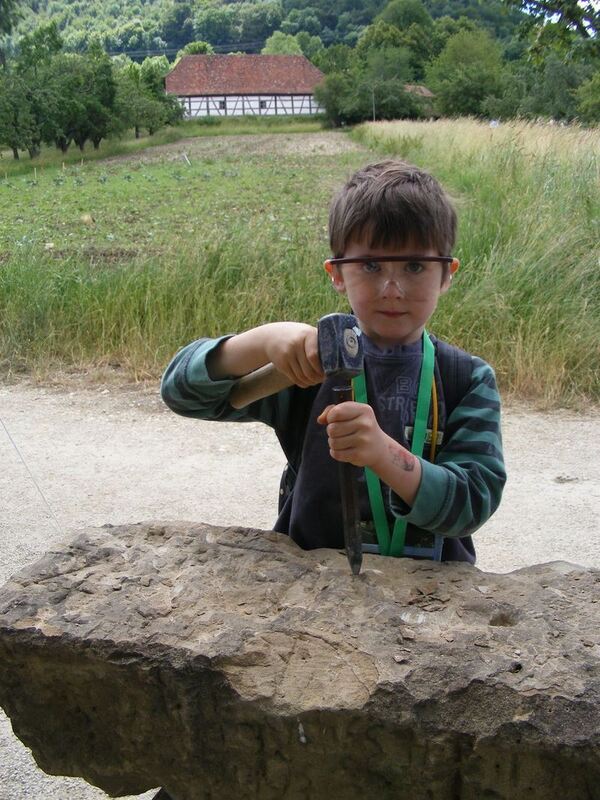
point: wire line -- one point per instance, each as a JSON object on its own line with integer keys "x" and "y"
{"x": 31, "y": 475}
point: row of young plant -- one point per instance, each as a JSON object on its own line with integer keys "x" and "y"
{"x": 48, "y": 96}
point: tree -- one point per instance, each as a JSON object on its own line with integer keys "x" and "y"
{"x": 568, "y": 27}
{"x": 517, "y": 81}
{"x": 467, "y": 71}
{"x": 132, "y": 35}
{"x": 588, "y": 99}
{"x": 302, "y": 19}
{"x": 494, "y": 16}
{"x": 39, "y": 46}
{"x": 259, "y": 20}
{"x": 331, "y": 95}
{"x": 383, "y": 77}
{"x": 17, "y": 124}
{"x": 101, "y": 93}
{"x": 9, "y": 16}
{"x": 70, "y": 96}
{"x": 281, "y": 44}
{"x": 446, "y": 27}
{"x": 177, "y": 23}
{"x": 378, "y": 36}
{"x": 372, "y": 88}
{"x": 337, "y": 58}
{"x": 134, "y": 106}
{"x": 581, "y": 17}
{"x": 152, "y": 79}
{"x": 404, "y": 13}
{"x": 76, "y": 40}
{"x": 65, "y": 76}
{"x": 554, "y": 93}
{"x": 196, "y": 49}
{"x": 152, "y": 75}
{"x": 346, "y": 31}
{"x": 310, "y": 46}
{"x": 36, "y": 50}
{"x": 217, "y": 24}
{"x": 418, "y": 41}
{"x": 416, "y": 26}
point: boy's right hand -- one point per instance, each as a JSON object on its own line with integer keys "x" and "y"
{"x": 293, "y": 349}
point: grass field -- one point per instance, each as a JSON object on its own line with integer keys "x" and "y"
{"x": 122, "y": 260}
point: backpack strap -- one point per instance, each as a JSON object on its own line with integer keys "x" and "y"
{"x": 454, "y": 368}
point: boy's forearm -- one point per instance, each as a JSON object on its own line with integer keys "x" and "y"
{"x": 399, "y": 469}
{"x": 240, "y": 354}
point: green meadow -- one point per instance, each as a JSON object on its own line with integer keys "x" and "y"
{"x": 117, "y": 261}
{"x": 120, "y": 261}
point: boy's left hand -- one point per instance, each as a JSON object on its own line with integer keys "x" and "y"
{"x": 353, "y": 434}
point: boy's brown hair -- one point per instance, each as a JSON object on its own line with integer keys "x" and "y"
{"x": 392, "y": 204}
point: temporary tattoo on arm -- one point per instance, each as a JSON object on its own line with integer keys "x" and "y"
{"x": 402, "y": 458}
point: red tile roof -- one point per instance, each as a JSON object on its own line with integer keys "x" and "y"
{"x": 244, "y": 74}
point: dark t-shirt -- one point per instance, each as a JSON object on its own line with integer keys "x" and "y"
{"x": 310, "y": 513}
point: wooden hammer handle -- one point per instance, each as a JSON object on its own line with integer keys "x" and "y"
{"x": 258, "y": 384}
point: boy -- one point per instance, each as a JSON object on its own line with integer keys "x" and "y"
{"x": 392, "y": 229}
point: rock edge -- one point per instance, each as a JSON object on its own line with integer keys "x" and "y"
{"x": 227, "y": 662}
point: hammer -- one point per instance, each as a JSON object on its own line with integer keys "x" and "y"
{"x": 341, "y": 356}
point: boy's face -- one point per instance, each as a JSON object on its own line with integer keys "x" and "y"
{"x": 392, "y": 300}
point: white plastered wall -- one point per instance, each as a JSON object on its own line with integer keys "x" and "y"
{"x": 241, "y": 105}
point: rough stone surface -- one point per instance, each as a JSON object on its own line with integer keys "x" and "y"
{"x": 226, "y": 663}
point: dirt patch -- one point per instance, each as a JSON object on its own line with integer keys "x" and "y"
{"x": 94, "y": 256}
{"x": 305, "y": 145}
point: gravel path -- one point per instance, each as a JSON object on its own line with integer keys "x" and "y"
{"x": 114, "y": 454}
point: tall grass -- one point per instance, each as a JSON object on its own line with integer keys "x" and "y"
{"x": 136, "y": 315}
{"x": 122, "y": 262}
{"x": 527, "y": 296}
{"x": 238, "y": 237}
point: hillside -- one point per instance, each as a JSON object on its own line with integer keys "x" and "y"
{"x": 145, "y": 27}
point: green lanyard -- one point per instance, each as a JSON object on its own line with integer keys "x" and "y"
{"x": 395, "y": 546}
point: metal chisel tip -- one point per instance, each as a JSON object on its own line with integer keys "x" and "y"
{"x": 355, "y": 563}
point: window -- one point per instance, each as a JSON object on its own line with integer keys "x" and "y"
{"x": 221, "y": 103}
{"x": 263, "y": 103}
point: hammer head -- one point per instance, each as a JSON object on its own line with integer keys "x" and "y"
{"x": 340, "y": 345}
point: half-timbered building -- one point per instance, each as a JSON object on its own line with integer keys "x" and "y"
{"x": 236, "y": 85}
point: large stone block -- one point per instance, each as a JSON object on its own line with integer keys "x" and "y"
{"x": 227, "y": 663}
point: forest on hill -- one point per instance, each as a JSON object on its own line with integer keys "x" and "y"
{"x": 136, "y": 26}
{"x": 68, "y": 73}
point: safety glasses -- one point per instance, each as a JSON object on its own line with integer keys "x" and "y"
{"x": 454, "y": 262}
{"x": 413, "y": 273}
